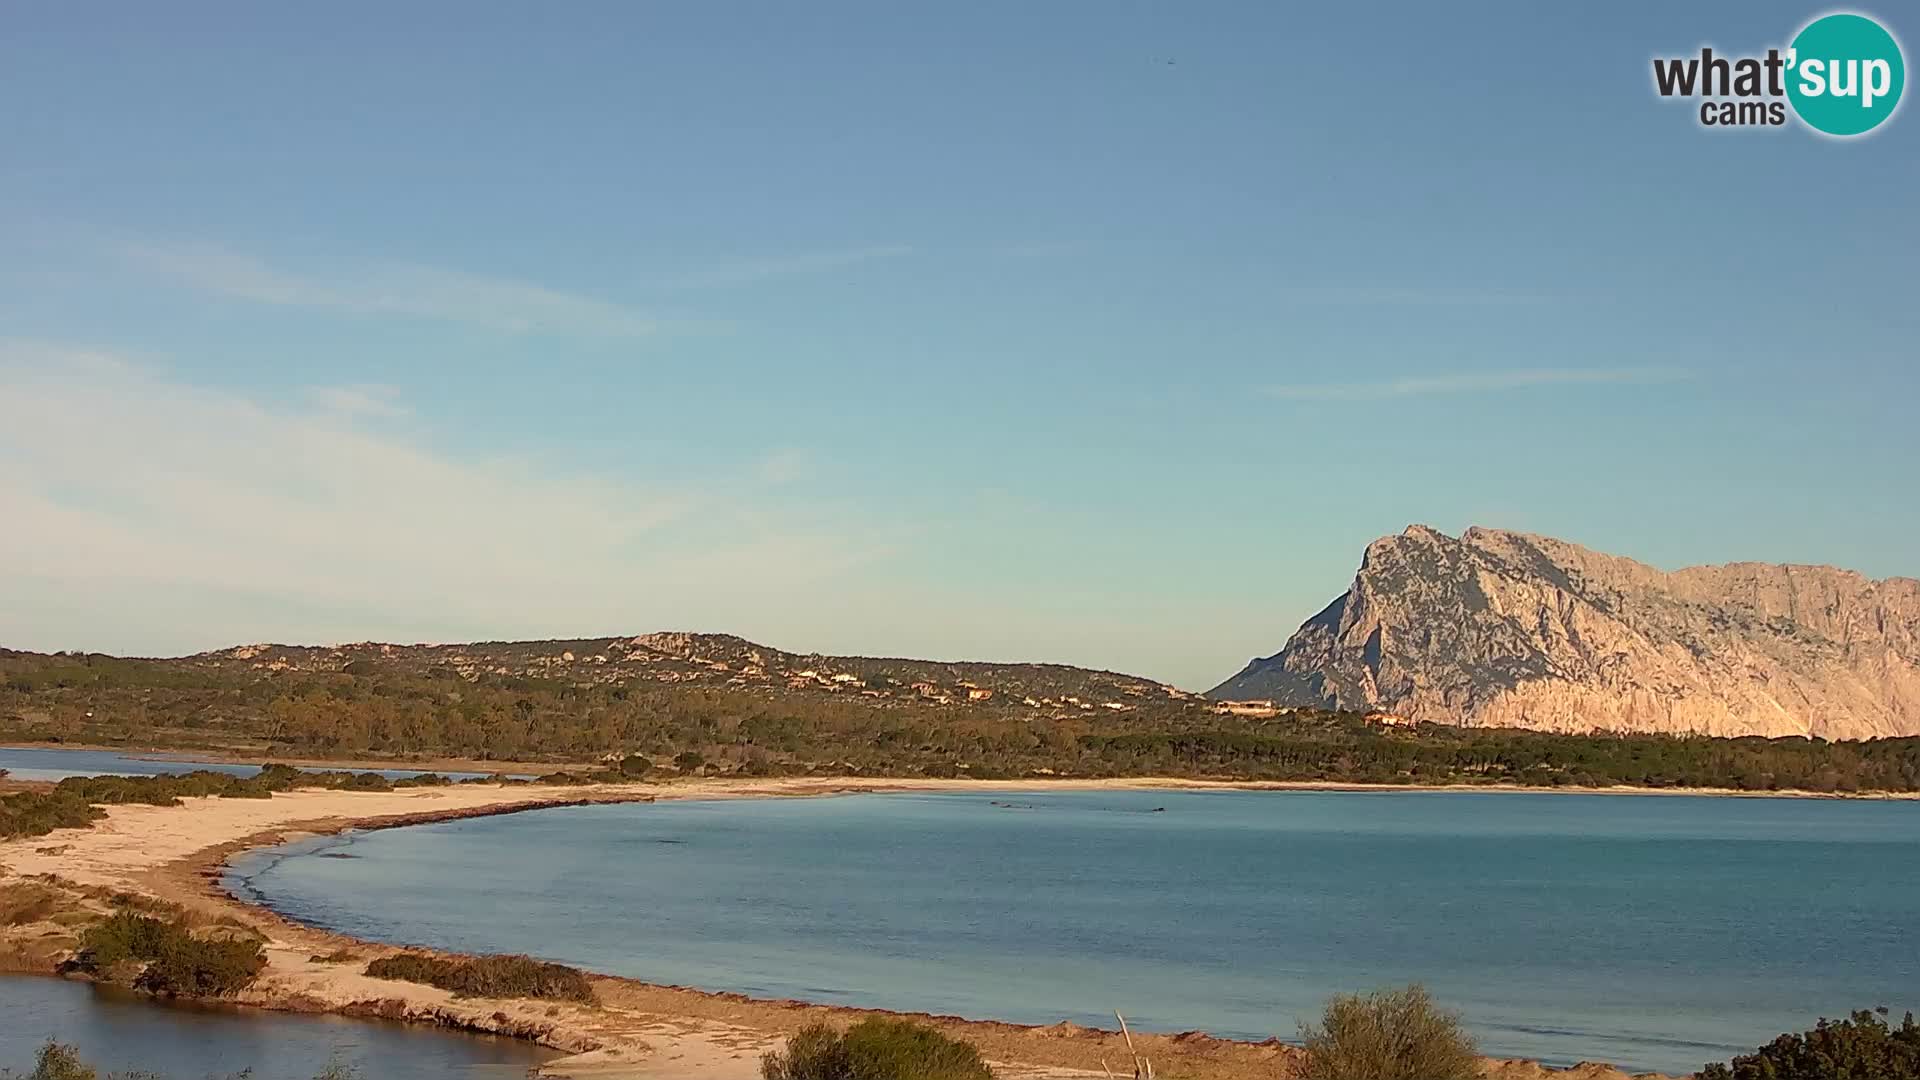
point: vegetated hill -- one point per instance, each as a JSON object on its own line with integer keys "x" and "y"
{"x": 572, "y": 700}
{"x": 1509, "y": 629}
{"x": 721, "y": 660}
{"x": 715, "y": 704}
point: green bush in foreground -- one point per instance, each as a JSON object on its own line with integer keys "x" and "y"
{"x": 1863, "y": 1047}
{"x": 169, "y": 959}
{"x": 58, "y": 1062}
{"x": 874, "y": 1049}
{"x": 488, "y": 976}
{"x": 1388, "y": 1035}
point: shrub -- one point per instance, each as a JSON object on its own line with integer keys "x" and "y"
{"x": 57, "y": 1061}
{"x": 430, "y": 779}
{"x": 247, "y": 789}
{"x": 689, "y": 760}
{"x": 277, "y": 775}
{"x": 172, "y": 961}
{"x": 33, "y": 813}
{"x": 1388, "y": 1035}
{"x": 120, "y": 938}
{"x": 1862, "y": 1047}
{"x": 495, "y": 778}
{"x": 874, "y": 1049}
{"x": 882, "y": 1049}
{"x": 366, "y": 781}
{"x": 488, "y": 976}
{"x": 635, "y": 765}
{"x": 203, "y": 967}
{"x": 815, "y": 1052}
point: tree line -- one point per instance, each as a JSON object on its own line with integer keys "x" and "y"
{"x": 417, "y": 714}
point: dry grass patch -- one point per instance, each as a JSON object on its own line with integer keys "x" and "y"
{"x": 23, "y": 903}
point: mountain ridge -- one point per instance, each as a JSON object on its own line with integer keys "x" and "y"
{"x": 1500, "y": 628}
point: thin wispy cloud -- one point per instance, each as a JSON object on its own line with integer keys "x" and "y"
{"x": 390, "y": 289}
{"x": 168, "y": 516}
{"x": 750, "y": 270}
{"x": 361, "y": 399}
{"x": 1472, "y": 383}
{"x": 787, "y": 465}
{"x": 1409, "y": 296}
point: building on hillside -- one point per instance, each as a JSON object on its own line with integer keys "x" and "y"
{"x": 1245, "y": 708}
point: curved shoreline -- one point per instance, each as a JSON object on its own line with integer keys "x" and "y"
{"x": 638, "y": 1029}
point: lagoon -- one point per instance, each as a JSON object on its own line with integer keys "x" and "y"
{"x": 117, "y": 1030}
{"x": 1652, "y": 932}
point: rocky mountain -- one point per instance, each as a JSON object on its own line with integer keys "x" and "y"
{"x": 1507, "y": 629}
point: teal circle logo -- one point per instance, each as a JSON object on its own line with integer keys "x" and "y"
{"x": 1845, "y": 74}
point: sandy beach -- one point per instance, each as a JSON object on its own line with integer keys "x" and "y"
{"x": 636, "y": 1030}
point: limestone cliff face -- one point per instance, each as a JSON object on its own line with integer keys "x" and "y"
{"x": 1512, "y": 630}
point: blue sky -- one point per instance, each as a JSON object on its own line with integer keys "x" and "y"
{"x": 1099, "y": 333}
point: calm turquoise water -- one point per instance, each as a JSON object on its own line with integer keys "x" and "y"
{"x": 1657, "y": 933}
{"x": 118, "y": 1031}
{"x": 34, "y": 763}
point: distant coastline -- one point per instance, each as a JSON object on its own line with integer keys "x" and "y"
{"x": 231, "y": 756}
{"x": 854, "y": 782}
{"x": 682, "y": 704}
